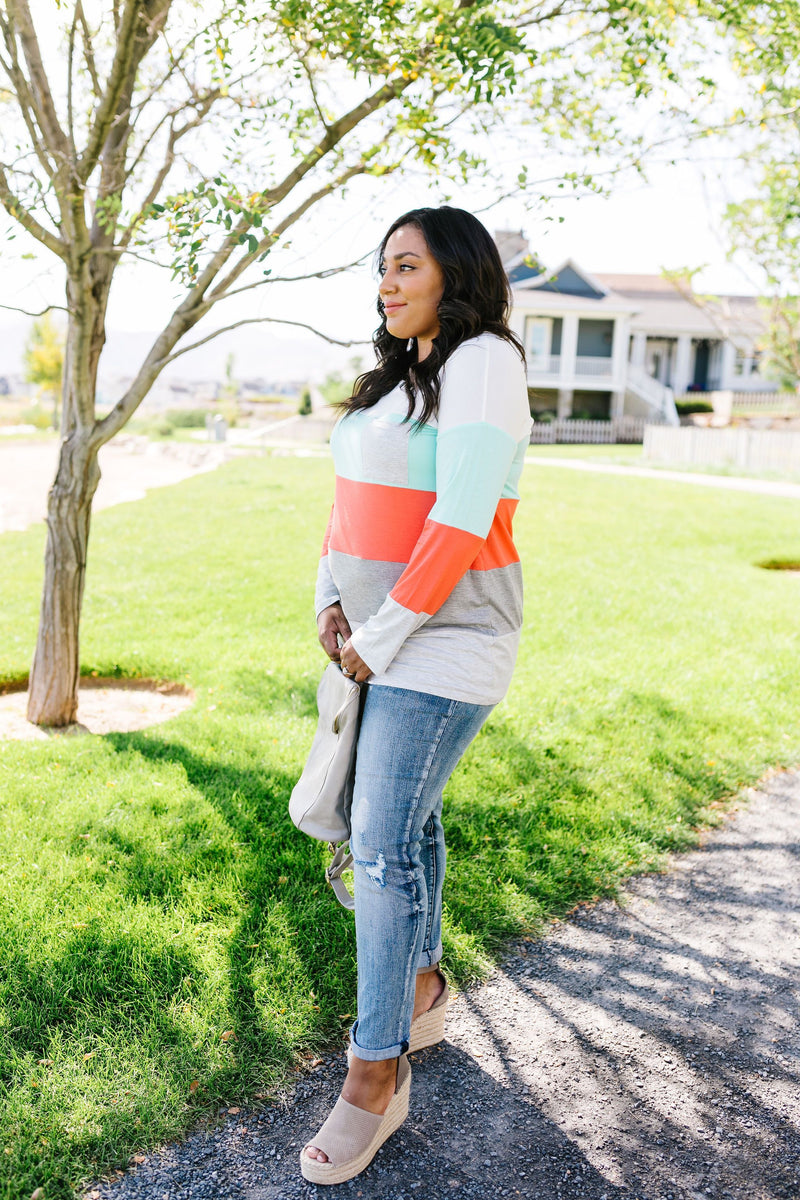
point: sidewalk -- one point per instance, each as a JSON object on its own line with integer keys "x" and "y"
{"x": 130, "y": 467}
{"x": 731, "y": 483}
{"x": 650, "y": 1051}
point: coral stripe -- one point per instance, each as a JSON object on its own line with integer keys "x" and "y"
{"x": 499, "y": 549}
{"x": 444, "y": 554}
{"x": 374, "y": 521}
{"x": 441, "y": 557}
{"x": 327, "y": 537}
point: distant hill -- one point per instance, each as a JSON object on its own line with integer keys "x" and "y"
{"x": 258, "y": 353}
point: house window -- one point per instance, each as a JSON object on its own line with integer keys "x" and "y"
{"x": 740, "y": 364}
{"x": 538, "y": 341}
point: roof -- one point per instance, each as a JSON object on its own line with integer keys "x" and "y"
{"x": 657, "y": 306}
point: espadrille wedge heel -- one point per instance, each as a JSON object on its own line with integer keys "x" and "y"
{"x": 428, "y": 1029}
{"x": 351, "y": 1137}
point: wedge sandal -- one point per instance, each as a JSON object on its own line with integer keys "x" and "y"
{"x": 351, "y": 1137}
{"x": 428, "y": 1029}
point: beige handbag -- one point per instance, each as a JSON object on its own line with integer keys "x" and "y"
{"x": 321, "y": 799}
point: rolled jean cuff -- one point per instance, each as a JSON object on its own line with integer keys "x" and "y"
{"x": 429, "y": 960}
{"x": 375, "y": 1055}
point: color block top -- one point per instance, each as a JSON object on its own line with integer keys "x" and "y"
{"x": 419, "y": 547}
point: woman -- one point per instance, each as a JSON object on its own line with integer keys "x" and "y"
{"x": 421, "y": 584}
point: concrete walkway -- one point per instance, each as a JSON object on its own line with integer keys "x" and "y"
{"x": 730, "y": 483}
{"x": 130, "y": 467}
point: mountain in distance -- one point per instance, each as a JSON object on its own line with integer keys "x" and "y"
{"x": 257, "y": 354}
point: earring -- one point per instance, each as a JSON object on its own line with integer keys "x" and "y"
{"x": 410, "y": 345}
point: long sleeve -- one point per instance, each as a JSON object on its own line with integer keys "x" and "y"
{"x": 327, "y": 592}
{"x": 483, "y": 429}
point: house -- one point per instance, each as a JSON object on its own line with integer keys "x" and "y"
{"x": 603, "y": 346}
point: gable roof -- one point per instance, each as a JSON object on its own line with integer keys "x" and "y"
{"x": 569, "y": 279}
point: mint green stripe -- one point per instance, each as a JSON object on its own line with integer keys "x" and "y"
{"x": 510, "y": 491}
{"x": 346, "y": 446}
{"x": 473, "y": 463}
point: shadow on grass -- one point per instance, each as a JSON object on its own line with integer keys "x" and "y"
{"x": 97, "y": 974}
{"x": 270, "y": 693}
{"x": 290, "y": 944}
{"x": 531, "y": 833}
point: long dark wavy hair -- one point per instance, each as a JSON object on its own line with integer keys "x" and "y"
{"x": 476, "y": 299}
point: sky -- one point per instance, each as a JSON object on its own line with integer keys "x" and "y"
{"x": 672, "y": 219}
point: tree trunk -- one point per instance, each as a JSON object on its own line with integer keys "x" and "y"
{"x": 55, "y": 674}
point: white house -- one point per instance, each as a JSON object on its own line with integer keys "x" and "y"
{"x": 602, "y": 346}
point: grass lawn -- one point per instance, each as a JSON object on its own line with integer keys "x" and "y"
{"x": 168, "y": 944}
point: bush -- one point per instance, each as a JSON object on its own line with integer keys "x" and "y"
{"x": 187, "y": 418}
{"x": 304, "y": 407}
{"x": 685, "y": 407}
{"x": 41, "y": 418}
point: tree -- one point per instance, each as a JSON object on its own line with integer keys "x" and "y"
{"x": 338, "y": 385}
{"x": 763, "y": 229}
{"x": 199, "y": 136}
{"x": 44, "y": 360}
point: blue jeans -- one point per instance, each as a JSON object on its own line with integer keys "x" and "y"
{"x": 408, "y": 746}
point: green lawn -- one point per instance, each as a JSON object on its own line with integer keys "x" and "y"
{"x": 166, "y": 940}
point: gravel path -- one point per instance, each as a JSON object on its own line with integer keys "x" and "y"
{"x": 650, "y": 1051}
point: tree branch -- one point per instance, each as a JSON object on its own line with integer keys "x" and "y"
{"x": 16, "y": 209}
{"x": 334, "y": 134}
{"x": 130, "y": 39}
{"x": 88, "y": 49}
{"x": 70, "y": 60}
{"x": 262, "y": 321}
{"x": 55, "y": 138}
{"x": 269, "y": 239}
{"x": 202, "y": 110}
{"x": 24, "y": 97}
{"x": 28, "y": 313}
{"x": 324, "y": 274}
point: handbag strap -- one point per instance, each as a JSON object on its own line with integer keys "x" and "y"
{"x": 342, "y": 860}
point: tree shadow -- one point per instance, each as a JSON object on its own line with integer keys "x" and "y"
{"x": 525, "y": 787}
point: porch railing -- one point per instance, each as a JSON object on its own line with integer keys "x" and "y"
{"x": 598, "y": 366}
{"x": 569, "y": 431}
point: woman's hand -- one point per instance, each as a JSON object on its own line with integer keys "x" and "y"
{"x": 353, "y": 664}
{"x": 331, "y": 624}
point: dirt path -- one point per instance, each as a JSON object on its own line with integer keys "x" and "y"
{"x": 130, "y": 467}
{"x": 650, "y": 1051}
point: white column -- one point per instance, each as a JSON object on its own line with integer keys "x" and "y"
{"x": 619, "y": 351}
{"x": 619, "y": 362}
{"x": 639, "y": 349}
{"x": 564, "y": 409}
{"x": 683, "y": 364}
{"x": 569, "y": 349}
{"x": 726, "y": 365}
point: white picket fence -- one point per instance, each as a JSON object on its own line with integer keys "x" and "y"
{"x": 759, "y": 450}
{"x": 574, "y": 431}
{"x": 727, "y": 402}
{"x": 773, "y": 402}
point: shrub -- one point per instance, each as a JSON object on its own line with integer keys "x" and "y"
{"x": 187, "y": 418}
{"x": 304, "y": 407}
{"x": 685, "y": 407}
{"x": 41, "y": 418}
